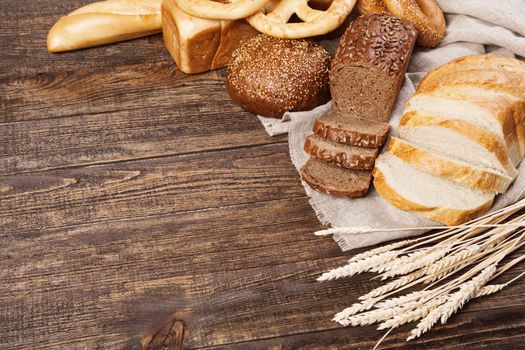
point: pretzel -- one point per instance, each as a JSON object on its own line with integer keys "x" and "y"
{"x": 315, "y": 22}
{"x": 229, "y": 10}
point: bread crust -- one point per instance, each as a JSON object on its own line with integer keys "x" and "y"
{"x": 433, "y": 164}
{"x": 426, "y": 16}
{"x": 363, "y": 46}
{"x": 198, "y": 45}
{"x": 329, "y": 189}
{"x": 367, "y": 7}
{"x": 271, "y": 76}
{"x": 342, "y": 158}
{"x": 333, "y": 132}
{"x": 492, "y": 71}
{"x": 446, "y": 216}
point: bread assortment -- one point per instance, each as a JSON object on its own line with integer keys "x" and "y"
{"x": 460, "y": 140}
{"x": 105, "y": 22}
{"x": 462, "y": 133}
{"x": 373, "y": 54}
{"x": 270, "y": 76}
{"x": 425, "y": 15}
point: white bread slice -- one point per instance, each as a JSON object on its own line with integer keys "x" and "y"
{"x": 448, "y": 167}
{"x": 433, "y": 197}
{"x": 457, "y": 139}
{"x": 497, "y": 113}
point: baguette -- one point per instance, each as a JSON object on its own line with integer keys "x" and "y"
{"x": 105, "y": 22}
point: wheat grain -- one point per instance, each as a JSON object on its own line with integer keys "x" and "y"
{"x": 393, "y": 285}
{"x": 411, "y": 297}
{"x": 414, "y": 314}
{"x": 380, "y": 250}
{"x": 454, "y": 302}
{"x": 466, "y": 291}
{"x": 430, "y": 261}
{"x": 377, "y": 315}
{"x": 342, "y": 316}
{"x": 357, "y": 267}
{"x": 453, "y": 259}
{"x": 416, "y": 262}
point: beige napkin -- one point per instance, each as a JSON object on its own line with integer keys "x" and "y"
{"x": 474, "y": 27}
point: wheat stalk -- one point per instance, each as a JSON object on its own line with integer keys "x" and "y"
{"x": 368, "y": 229}
{"x": 439, "y": 261}
{"x": 356, "y": 267}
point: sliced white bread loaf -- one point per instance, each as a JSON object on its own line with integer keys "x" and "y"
{"x": 457, "y": 139}
{"x": 494, "y": 72}
{"x": 449, "y": 167}
{"x": 497, "y": 113}
{"x": 460, "y": 139}
{"x": 431, "y": 196}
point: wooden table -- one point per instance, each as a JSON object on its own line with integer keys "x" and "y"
{"x": 139, "y": 207}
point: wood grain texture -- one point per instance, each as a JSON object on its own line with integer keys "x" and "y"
{"x": 141, "y": 209}
{"x": 148, "y": 187}
{"x": 23, "y": 34}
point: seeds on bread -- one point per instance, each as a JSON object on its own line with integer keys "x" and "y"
{"x": 342, "y": 155}
{"x": 270, "y": 76}
{"x": 344, "y": 128}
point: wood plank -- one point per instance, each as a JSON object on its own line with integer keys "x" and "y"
{"x": 195, "y": 126}
{"x": 92, "y": 90}
{"x": 106, "y": 285}
{"x": 474, "y": 327}
{"x": 146, "y": 187}
{"x": 23, "y": 36}
{"x": 228, "y": 275}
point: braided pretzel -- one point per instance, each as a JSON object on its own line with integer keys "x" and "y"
{"x": 315, "y": 22}
{"x": 229, "y": 10}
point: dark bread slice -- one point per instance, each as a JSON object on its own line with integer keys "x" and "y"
{"x": 334, "y": 180}
{"x": 346, "y": 156}
{"x": 370, "y": 64}
{"x": 353, "y": 131}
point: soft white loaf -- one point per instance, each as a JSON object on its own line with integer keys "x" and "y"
{"x": 460, "y": 139}
{"x": 105, "y": 22}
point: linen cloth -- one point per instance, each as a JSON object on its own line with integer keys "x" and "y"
{"x": 473, "y": 27}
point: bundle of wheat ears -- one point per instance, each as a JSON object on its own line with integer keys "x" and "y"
{"x": 450, "y": 266}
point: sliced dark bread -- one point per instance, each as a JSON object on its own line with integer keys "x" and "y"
{"x": 334, "y": 180}
{"x": 346, "y": 156}
{"x": 370, "y": 64}
{"x": 343, "y": 128}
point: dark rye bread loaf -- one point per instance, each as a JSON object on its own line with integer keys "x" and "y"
{"x": 339, "y": 127}
{"x": 345, "y": 156}
{"x": 334, "y": 180}
{"x": 369, "y": 66}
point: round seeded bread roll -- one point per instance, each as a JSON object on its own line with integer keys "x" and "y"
{"x": 270, "y": 76}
